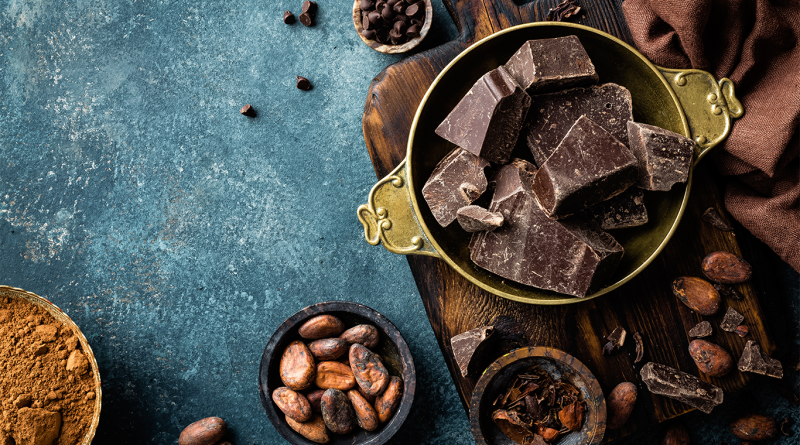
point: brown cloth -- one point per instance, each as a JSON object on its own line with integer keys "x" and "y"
{"x": 755, "y": 44}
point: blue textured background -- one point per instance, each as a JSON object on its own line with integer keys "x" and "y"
{"x": 178, "y": 233}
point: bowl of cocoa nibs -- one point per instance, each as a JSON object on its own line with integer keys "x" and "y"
{"x": 392, "y": 26}
{"x": 537, "y": 396}
{"x": 337, "y": 372}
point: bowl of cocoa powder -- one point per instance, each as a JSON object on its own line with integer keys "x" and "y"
{"x": 49, "y": 384}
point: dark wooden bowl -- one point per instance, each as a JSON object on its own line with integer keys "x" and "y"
{"x": 388, "y": 48}
{"x": 392, "y": 348}
{"x": 558, "y": 364}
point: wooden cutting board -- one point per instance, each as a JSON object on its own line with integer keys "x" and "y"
{"x": 645, "y": 304}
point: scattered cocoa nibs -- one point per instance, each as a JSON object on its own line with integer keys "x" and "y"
{"x": 713, "y": 217}
{"x": 785, "y": 426}
{"x": 307, "y": 19}
{"x": 702, "y": 329}
{"x": 731, "y": 320}
{"x": 728, "y": 292}
{"x": 616, "y": 339}
{"x": 565, "y": 9}
{"x": 288, "y": 18}
{"x": 303, "y": 83}
{"x": 248, "y": 111}
{"x": 637, "y": 338}
{"x": 742, "y": 330}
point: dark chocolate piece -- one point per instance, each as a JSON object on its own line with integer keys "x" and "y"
{"x": 465, "y": 346}
{"x": 477, "y": 219}
{"x": 457, "y": 181}
{"x": 731, "y": 320}
{"x": 552, "y": 115}
{"x": 248, "y": 111}
{"x": 303, "y": 83}
{"x": 546, "y": 65}
{"x": 587, "y": 167}
{"x": 564, "y": 10}
{"x": 616, "y": 339}
{"x": 487, "y": 121}
{"x": 713, "y": 217}
{"x": 728, "y": 291}
{"x": 753, "y": 360}
{"x": 665, "y": 157}
{"x": 670, "y": 382}
{"x": 288, "y": 17}
{"x": 637, "y": 338}
{"x": 622, "y": 211}
{"x": 571, "y": 256}
{"x": 702, "y": 329}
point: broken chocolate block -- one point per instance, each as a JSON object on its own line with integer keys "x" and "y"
{"x": 670, "y": 382}
{"x": 546, "y": 65}
{"x": 587, "y": 167}
{"x": 703, "y": 329}
{"x": 622, "y": 211}
{"x": 616, "y": 339}
{"x": 665, "y": 157}
{"x": 465, "y": 346}
{"x": 753, "y": 360}
{"x": 571, "y": 256}
{"x": 552, "y": 115}
{"x": 487, "y": 121}
{"x": 457, "y": 181}
{"x": 477, "y": 219}
{"x": 731, "y": 320}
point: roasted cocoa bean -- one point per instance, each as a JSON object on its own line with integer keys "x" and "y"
{"x": 698, "y": 294}
{"x": 334, "y": 375}
{"x": 328, "y": 348}
{"x": 368, "y": 370}
{"x": 337, "y": 412}
{"x": 315, "y": 398}
{"x": 366, "y": 416}
{"x": 293, "y": 404}
{"x": 620, "y": 404}
{"x": 676, "y": 435}
{"x": 206, "y": 431}
{"x": 755, "y": 427}
{"x": 321, "y": 326}
{"x": 727, "y": 268}
{"x": 313, "y": 430}
{"x": 363, "y": 334}
{"x": 389, "y": 400}
{"x": 712, "y": 360}
{"x": 297, "y": 366}
{"x": 370, "y": 399}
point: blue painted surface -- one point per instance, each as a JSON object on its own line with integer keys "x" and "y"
{"x": 178, "y": 233}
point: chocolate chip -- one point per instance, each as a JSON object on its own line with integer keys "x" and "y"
{"x": 400, "y": 27}
{"x": 303, "y": 83}
{"x": 309, "y": 7}
{"x": 248, "y": 111}
{"x": 369, "y": 34}
{"x": 307, "y": 19}
{"x": 396, "y": 37}
{"x": 412, "y": 31}
{"x": 414, "y": 10}
{"x": 288, "y": 17}
{"x": 366, "y": 24}
{"x": 375, "y": 17}
{"x": 387, "y": 14}
{"x": 367, "y": 4}
{"x": 399, "y": 7}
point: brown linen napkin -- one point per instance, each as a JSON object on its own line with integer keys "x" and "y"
{"x": 755, "y": 44}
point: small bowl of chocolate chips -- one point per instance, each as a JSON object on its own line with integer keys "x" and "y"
{"x": 392, "y": 26}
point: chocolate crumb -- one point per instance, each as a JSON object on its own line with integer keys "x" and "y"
{"x": 713, "y": 217}
{"x": 303, "y": 83}
{"x": 288, "y": 18}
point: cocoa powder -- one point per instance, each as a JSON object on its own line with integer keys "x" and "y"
{"x": 47, "y": 388}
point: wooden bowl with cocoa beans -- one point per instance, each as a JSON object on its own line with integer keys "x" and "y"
{"x": 337, "y": 372}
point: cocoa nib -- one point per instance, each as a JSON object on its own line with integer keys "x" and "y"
{"x": 564, "y": 10}
{"x": 702, "y": 329}
{"x": 637, "y": 337}
{"x": 731, "y": 320}
{"x": 713, "y": 217}
{"x": 616, "y": 339}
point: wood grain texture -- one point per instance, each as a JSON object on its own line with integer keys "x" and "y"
{"x": 644, "y": 305}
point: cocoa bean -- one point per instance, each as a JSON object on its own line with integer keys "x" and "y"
{"x": 297, "y": 366}
{"x": 698, "y": 294}
{"x": 389, "y": 400}
{"x": 321, "y": 326}
{"x": 366, "y": 416}
{"x": 727, "y": 268}
{"x": 334, "y": 375}
{"x": 206, "y": 431}
{"x": 712, "y": 360}
{"x": 363, "y": 334}
{"x": 313, "y": 430}
{"x": 315, "y": 398}
{"x": 293, "y": 404}
{"x": 368, "y": 370}
{"x": 337, "y": 412}
{"x": 370, "y": 399}
{"x": 620, "y": 404}
{"x": 755, "y": 427}
{"x": 676, "y": 435}
{"x": 328, "y": 348}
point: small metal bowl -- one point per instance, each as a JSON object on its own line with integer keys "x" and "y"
{"x": 391, "y": 347}
{"x": 393, "y": 49}
{"x": 558, "y": 364}
{"x": 61, "y": 317}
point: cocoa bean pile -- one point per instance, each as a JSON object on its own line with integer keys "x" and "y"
{"x": 334, "y": 382}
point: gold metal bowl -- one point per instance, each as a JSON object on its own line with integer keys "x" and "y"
{"x": 61, "y": 317}
{"x": 689, "y": 102}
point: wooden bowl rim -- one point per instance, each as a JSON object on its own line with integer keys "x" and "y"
{"x": 393, "y": 49}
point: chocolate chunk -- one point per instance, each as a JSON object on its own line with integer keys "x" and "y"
{"x": 457, "y": 181}
{"x": 731, "y": 320}
{"x": 665, "y": 157}
{"x": 465, "y": 346}
{"x": 670, "y": 382}
{"x": 713, "y": 217}
{"x": 307, "y": 19}
{"x": 728, "y": 291}
{"x": 753, "y": 360}
{"x": 248, "y": 111}
{"x": 702, "y": 329}
{"x": 616, "y": 339}
{"x": 637, "y": 337}
{"x": 622, "y": 211}
{"x": 477, "y": 219}
{"x": 288, "y": 18}
{"x": 571, "y": 256}
{"x": 587, "y": 167}
{"x": 486, "y": 122}
{"x": 552, "y": 115}
{"x": 546, "y": 65}
{"x": 303, "y": 83}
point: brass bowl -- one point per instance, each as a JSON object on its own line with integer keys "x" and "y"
{"x": 689, "y": 102}
{"x": 61, "y": 317}
{"x": 393, "y": 49}
{"x": 500, "y": 374}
